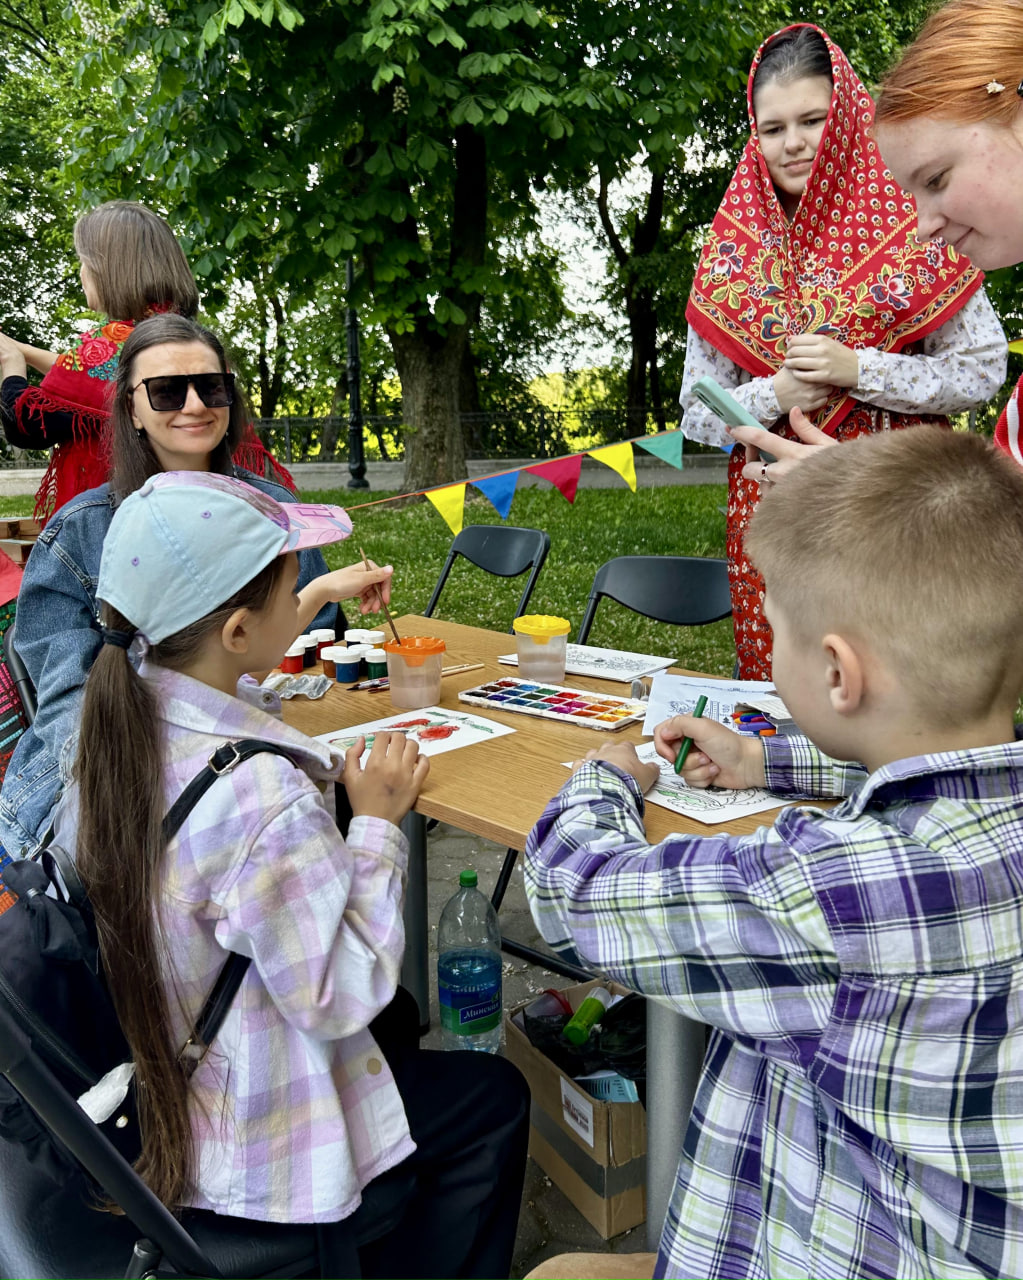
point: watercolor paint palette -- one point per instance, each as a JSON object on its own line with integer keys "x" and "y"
{"x": 556, "y": 702}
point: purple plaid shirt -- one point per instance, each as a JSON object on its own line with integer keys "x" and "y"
{"x": 860, "y": 1111}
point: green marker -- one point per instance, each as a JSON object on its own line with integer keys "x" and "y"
{"x": 687, "y": 743}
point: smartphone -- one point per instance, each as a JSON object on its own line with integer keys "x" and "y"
{"x": 728, "y": 409}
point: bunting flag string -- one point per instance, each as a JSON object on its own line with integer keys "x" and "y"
{"x": 499, "y": 487}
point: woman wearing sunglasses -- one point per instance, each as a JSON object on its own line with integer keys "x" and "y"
{"x": 132, "y": 267}
{"x": 175, "y": 408}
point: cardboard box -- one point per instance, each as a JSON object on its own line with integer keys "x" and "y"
{"x": 594, "y": 1151}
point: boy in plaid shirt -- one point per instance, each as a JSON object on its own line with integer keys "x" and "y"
{"x": 860, "y": 1111}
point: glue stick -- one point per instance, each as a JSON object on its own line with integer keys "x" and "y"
{"x": 577, "y": 1029}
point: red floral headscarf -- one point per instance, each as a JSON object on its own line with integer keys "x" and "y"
{"x": 848, "y": 265}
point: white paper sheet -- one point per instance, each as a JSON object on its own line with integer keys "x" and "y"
{"x": 678, "y": 695}
{"x": 710, "y": 804}
{"x": 603, "y": 664}
{"x": 436, "y": 729}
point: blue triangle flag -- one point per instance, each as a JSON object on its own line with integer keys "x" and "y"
{"x": 499, "y": 491}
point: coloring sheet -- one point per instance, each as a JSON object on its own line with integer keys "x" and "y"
{"x": 604, "y": 664}
{"x": 711, "y": 804}
{"x": 436, "y": 729}
{"x": 677, "y": 696}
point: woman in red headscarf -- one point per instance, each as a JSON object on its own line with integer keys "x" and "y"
{"x": 813, "y": 292}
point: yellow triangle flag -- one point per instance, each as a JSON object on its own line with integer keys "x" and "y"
{"x": 1017, "y": 345}
{"x": 619, "y": 458}
{"x": 450, "y": 502}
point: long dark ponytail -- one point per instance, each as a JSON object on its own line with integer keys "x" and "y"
{"x": 119, "y": 770}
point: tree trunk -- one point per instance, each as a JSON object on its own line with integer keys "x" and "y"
{"x": 469, "y": 406}
{"x": 332, "y": 427}
{"x": 429, "y": 359}
{"x": 428, "y": 367}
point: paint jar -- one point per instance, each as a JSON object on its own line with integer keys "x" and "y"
{"x": 324, "y": 637}
{"x": 293, "y": 659}
{"x": 376, "y": 663}
{"x": 309, "y": 653}
{"x": 413, "y": 668}
{"x": 358, "y": 652}
{"x": 374, "y": 638}
{"x": 347, "y": 666}
{"x": 354, "y": 635}
{"x": 541, "y": 642}
{"x": 329, "y": 655}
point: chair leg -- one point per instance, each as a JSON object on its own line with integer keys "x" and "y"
{"x": 542, "y": 958}
{"x": 546, "y": 960}
{"x": 145, "y": 1260}
{"x": 503, "y": 879}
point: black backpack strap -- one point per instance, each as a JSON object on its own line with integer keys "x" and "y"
{"x": 223, "y": 760}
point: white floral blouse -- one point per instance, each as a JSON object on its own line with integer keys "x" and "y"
{"x": 962, "y": 365}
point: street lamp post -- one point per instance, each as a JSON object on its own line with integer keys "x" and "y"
{"x": 356, "y": 451}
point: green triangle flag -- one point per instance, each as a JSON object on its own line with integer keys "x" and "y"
{"x": 667, "y": 447}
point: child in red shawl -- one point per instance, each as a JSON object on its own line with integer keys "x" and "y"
{"x": 813, "y": 292}
{"x": 132, "y": 267}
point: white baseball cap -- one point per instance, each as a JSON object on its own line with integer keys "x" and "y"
{"x": 188, "y": 540}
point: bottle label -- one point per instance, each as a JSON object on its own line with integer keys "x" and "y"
{"x": 470, "y": 1006}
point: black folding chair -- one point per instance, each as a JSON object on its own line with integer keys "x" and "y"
{"x": 501, "y": 549}
{"x": 688, "y": 591}
{"x": 51, "y": 1229}
{"x": 19, "y": 674}
{"x": 684, "y": 590}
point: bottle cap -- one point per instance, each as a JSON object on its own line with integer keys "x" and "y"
{"x": 468, "y": 879}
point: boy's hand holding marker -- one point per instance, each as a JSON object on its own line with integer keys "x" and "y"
{"x": 719, "y": 757}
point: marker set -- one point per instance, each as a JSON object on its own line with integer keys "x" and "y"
{"x": 581, "y": 707}
{"x": 752, "y": 724}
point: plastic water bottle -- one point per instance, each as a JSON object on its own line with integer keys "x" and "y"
{"x": 469, "y": 970}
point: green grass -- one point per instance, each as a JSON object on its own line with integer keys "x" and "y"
{"x": 602, "y": 523}
{"x": 679, "y": 521}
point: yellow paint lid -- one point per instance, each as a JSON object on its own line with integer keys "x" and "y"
{"x": 541, "y": 626}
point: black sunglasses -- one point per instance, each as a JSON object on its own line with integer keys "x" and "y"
{"x": 169, "y": 392}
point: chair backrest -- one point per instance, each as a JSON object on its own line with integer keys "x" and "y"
{"x": 19, "y": 674}
{"x": 502, "y": 549}
{"x": 687, "y": 591}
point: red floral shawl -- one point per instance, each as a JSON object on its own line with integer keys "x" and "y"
{"x": 848, "y": 265}
{"x": 80, "y": 382}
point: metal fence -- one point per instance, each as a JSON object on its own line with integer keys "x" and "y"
{"x": 535, "y": 433}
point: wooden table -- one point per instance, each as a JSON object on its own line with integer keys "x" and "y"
{"x": 498, "y": 790}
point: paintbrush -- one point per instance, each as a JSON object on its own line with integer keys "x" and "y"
{"x": 387, "y": 612}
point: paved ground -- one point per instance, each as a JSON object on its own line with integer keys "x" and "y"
{"x": 549, "y": 1223}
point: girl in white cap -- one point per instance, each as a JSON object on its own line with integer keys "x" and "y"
{"x": 304, "y": 1100}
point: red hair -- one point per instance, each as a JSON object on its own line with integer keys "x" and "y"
{"x": 962, "y": 48}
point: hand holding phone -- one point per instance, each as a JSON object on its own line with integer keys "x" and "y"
{"x": 729, "y": 410}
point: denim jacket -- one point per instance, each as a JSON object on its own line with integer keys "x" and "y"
{"x": 57, "y": 636}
